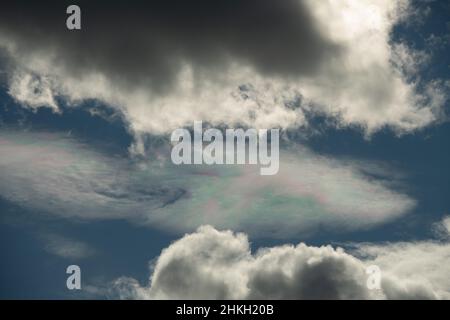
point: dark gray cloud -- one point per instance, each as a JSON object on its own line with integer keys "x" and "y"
{"x": 5, "y": 64}
{"x": 147, "y": 42}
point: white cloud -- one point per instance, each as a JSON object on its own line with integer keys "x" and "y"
{"x": 367, "y": 84}
{"x": 55, "y": 174}
{"x": 363, "y": 86}
{"x": 32, "y": 91}
{"x": 416, "y": 268}
{"x": 211, "y": 264}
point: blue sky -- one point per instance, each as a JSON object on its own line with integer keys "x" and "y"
{"x": 46, "y": 224}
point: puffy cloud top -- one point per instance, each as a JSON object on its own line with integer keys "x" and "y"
{"x": 212, "y": 264}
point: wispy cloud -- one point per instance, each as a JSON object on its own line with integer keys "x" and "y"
{"x": 65, "y": 247}
{"x": 58, "y": 175}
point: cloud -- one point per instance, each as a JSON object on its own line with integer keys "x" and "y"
{"x": 159, "y": 36}
{"x": 442, "y": 230}
{"x": 240, "y": 62}
{"x": 52, "y": 173}
{"x": 310, "y": 192}
{"x": 446, "y": 224}
{"x": 32, "y": 91}
{"x": 412, "y": 269}
{"x": 212, "y": 264}
{"x": 66, "y": 248}
{"x": 56, "y": 174}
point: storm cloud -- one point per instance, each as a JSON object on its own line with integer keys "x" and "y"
{"x": 262, "y": 64}
{"x": 148, "y": 42}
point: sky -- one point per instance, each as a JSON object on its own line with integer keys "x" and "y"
{"x": 358, "y": 89}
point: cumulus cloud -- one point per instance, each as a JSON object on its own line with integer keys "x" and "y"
{"x": 52, "y": 173}
{"x": 249, "y": 62}
{"x": 417, "y": 269}
{"x": 212, "y": 264}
